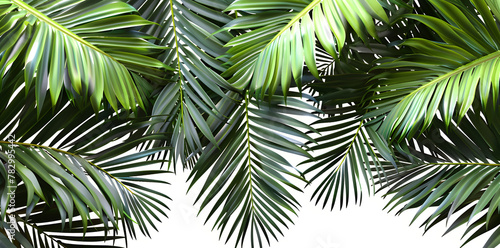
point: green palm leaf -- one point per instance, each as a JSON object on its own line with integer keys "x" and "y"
{"x": 78, "y": 187}
{"x": 439, "y": 106}
{"x": 186, "y": 105}
{"x": 456, "y": 173}
{"x": 283, "y": 36}
{"x": 78, "y": 47}
{"x": 96, "y": 188}
{"x": 441, "y": 78}
{"x": 358, "y": 156}
{"x": 252, "y": 176}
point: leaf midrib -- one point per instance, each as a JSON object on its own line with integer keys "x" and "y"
{"x": 458, "y": 70}
{"x": 181, "y": 79}
{"x": 299, "y": 16}
{"x": 249, "y": 151}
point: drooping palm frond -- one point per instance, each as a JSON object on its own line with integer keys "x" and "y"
{"x": 64, "y": 176}
{"x": 190, "y": 100}
{"x": 78, "y": 187}
{"x": 85, "y": 48}
{"x": 463, "y": 182}
{"x": 247, "y": 182}
{"x": 439, "y": 106}
{"x": 283, "y": 36}
{"x": 348, "y": 155}
{"x": 441, "y": 78}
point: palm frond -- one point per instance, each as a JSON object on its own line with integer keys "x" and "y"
{"x": 455, "y": 175}
{"x": 283, "y": 36}
{"x": 438, "y": 105}
{"x": 348, "y": 155}
{"x": 61, "y": 167}
{"x": 440, "y": 79}
{"x": 186, "y": 104}
{"x": 79, "y": 187}
{"x": 81, "y": 47}
{"x": 247, "y": 184}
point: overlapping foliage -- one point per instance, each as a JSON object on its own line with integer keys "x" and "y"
{"x": 406, "y": 97}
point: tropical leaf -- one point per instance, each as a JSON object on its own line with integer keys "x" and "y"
{"x": 83, "y": 183}
{"x": 283, "y": 36}
{"x": 348, "y": 155}
{"x": 82, "y": 47}
{"x": 80, "y": 186}
{"x": 439, "y": 105}
{"x": 186, "y": 105}
{"x": 250, "y": 175}
{"x": 455, "y": 173}
{"x": 440, "y": 79}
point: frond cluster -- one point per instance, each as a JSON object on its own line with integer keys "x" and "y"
{"x": 404, "y": 94}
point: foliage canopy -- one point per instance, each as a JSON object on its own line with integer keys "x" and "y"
{"x": 405, "y": 94}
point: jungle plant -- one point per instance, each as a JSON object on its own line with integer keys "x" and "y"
{"x": 95, "y": 94}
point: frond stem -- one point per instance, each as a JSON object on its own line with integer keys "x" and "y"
{"x": 350, "y": 146}
{"x": 178, "y": 60}
{"x": 248, "y": 149}
{"x": 458, "y": 70}
{"x": 483, "y": 164}
{"x": 295, "y": 19}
